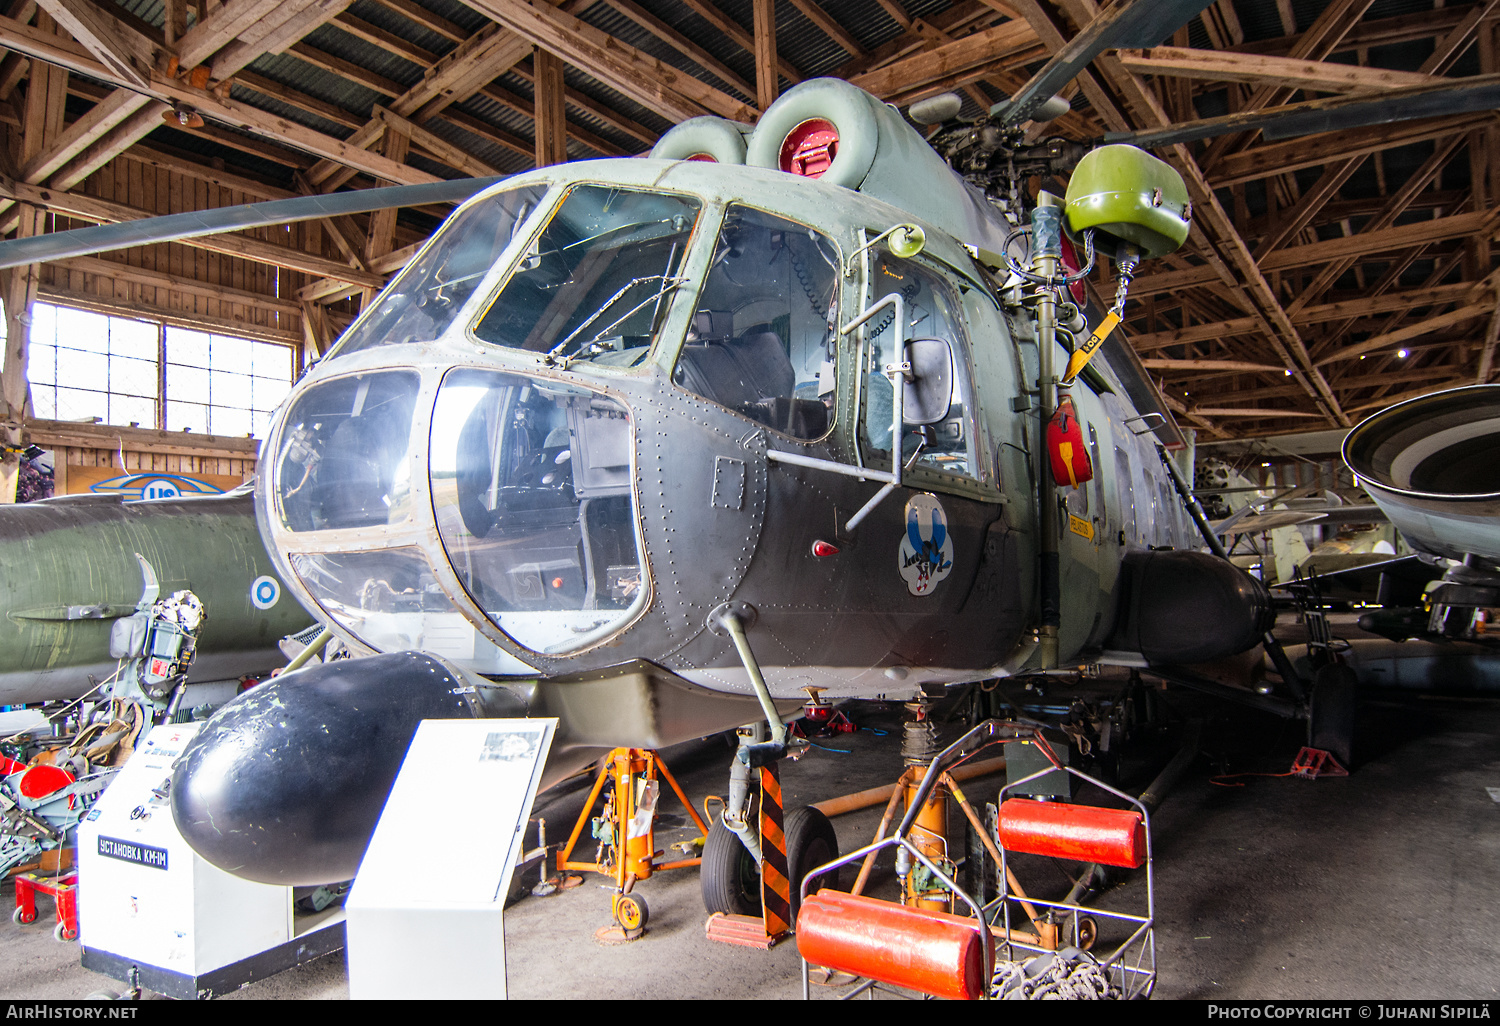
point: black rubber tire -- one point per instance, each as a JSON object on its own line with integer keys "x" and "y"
{"x": 1330, "y": 715}
{"x": 729, "y": 877}
{"x": 810, "y": 842}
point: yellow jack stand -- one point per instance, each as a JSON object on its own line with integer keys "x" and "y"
{"x": 627, "y": 845}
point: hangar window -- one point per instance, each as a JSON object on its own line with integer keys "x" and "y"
{"x": 84, "y": 365}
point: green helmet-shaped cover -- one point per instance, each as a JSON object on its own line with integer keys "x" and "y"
{"x": 1124, "y": 193}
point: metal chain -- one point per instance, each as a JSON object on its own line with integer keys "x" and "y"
{"x": 1069, "y": 975}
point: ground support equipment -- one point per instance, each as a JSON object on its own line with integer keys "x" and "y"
{"x": 64, "y": 892}
{"x": 1113, "y": 837}
{"x": 917, "y": 947}
{"x": 627, "y": 845}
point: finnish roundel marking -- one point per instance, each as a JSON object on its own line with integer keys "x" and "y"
{"x": 925, "y": 555}
{"x": 265, "y": 592}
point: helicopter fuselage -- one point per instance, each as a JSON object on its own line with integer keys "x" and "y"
{"x": 557, "y": 442}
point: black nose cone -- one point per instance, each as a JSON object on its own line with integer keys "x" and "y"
{"x": 285, "y": 783}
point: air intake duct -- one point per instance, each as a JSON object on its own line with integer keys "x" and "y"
{"x": 717, "y": 140}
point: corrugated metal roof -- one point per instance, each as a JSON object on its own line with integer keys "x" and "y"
{"x": 297, "y": 74}
{"x": 383, "y": 17}
{"x": 383, "y": 62}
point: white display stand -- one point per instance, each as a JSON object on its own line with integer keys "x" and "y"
{"x": 152, "y": 912}
{"x": 426, "y": 912}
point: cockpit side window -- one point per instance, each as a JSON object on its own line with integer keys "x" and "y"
{"x": 762, "y": 339}
{"x": 933, "y": 310}
{"x": 597, "y": 281}
{"x": 422, "y": 302}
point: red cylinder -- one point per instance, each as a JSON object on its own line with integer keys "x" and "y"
{"x": 931, "y": 952}
{"x": 1111, "y": 837}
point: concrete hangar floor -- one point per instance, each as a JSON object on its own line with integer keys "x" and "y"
{"x": 1380, "y": 885}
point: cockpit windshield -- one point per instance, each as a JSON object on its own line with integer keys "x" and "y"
{"x": 424, "y": 299}
{"x": 595, "y": 284}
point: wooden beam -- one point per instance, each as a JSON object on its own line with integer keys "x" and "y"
{"x": 832, "y": 29}
{"x": 1213, "y": 365}
{"x": 551, "y": 111}
{"x": 1487, "y": 350}
{"x": 70, "y": 55}
{"x": 317, "y": 333}
{"x": 211, "y": 35}
{"x": 275, "y": 32}
{"x": 727, "y": 25}
{"x": 767, "y": 85}
{"x": 1372, "y": 32}
{"x": 92, "y": 208}
{"x": 117, "y": 140}
{"x": 1394, "y": 206}
{"x": 1194, "y": 333}
{"x": 1390, "y": 338}
{"x": 589, "y": 107}
{"x": 1362, "y": 244}
{"x": 228, "y": 325}
{"x": 988, "y": 49}
{"x": 1315, "y": 76}
{"x": 105, "y": 115}
{"x": 439, "y": 147}
{"x": 1318, "y": 150}
{"x": 125, "y": 52}
{"x": 117, "y": 270}
{"x": 672, "y": 94}
{"x": 683, "y": 45}
{"x": 1335, "y": 20}
{"x": 335, "y": 288}
{"x": 521, "y": 105}
{"x": 420, "y": 15}
{"x": 1236, "y": 411}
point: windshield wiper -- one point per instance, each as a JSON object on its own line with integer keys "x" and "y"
{"x": 667, "y": 285}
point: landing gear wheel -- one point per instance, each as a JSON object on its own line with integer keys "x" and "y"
{"x": 729, "y": 877}
{"x": 62, "y": 934}
{"x": 810, "y": 842}
{"x": 1330, "y": 714}
{"x": 631, "y": 912}
{"x": 20, "y": 918}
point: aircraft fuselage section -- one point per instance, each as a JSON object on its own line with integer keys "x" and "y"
{"x": 560, "y": 451}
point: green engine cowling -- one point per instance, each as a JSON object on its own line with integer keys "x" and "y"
{"x": 1126, "y": 195}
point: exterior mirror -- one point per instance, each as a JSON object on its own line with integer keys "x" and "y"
{"x": 929, "y": 387}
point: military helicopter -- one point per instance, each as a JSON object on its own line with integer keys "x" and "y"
{"x": 650, "y": 445}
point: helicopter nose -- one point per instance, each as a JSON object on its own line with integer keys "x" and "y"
{"x": 285, "y": 783}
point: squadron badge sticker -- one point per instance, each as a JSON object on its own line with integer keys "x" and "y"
{"x": 925, "y": 556}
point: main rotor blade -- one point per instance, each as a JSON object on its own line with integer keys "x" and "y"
{"x": 39, "y": 249}
{"x": 1129, "y": 23}
{"x": 1455, "y": 96}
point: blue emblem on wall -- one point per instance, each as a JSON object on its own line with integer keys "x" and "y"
{"x": 154, "y": 486}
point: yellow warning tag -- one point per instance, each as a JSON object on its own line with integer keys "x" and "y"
{"x": 1065, "y": 451}
{"x": 1081, "y": 527}
{"x": 1084, "y": 353}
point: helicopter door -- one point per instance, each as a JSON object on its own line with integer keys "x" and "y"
{"x": 941, "y": 524}
{"x": 933, "y": 310}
